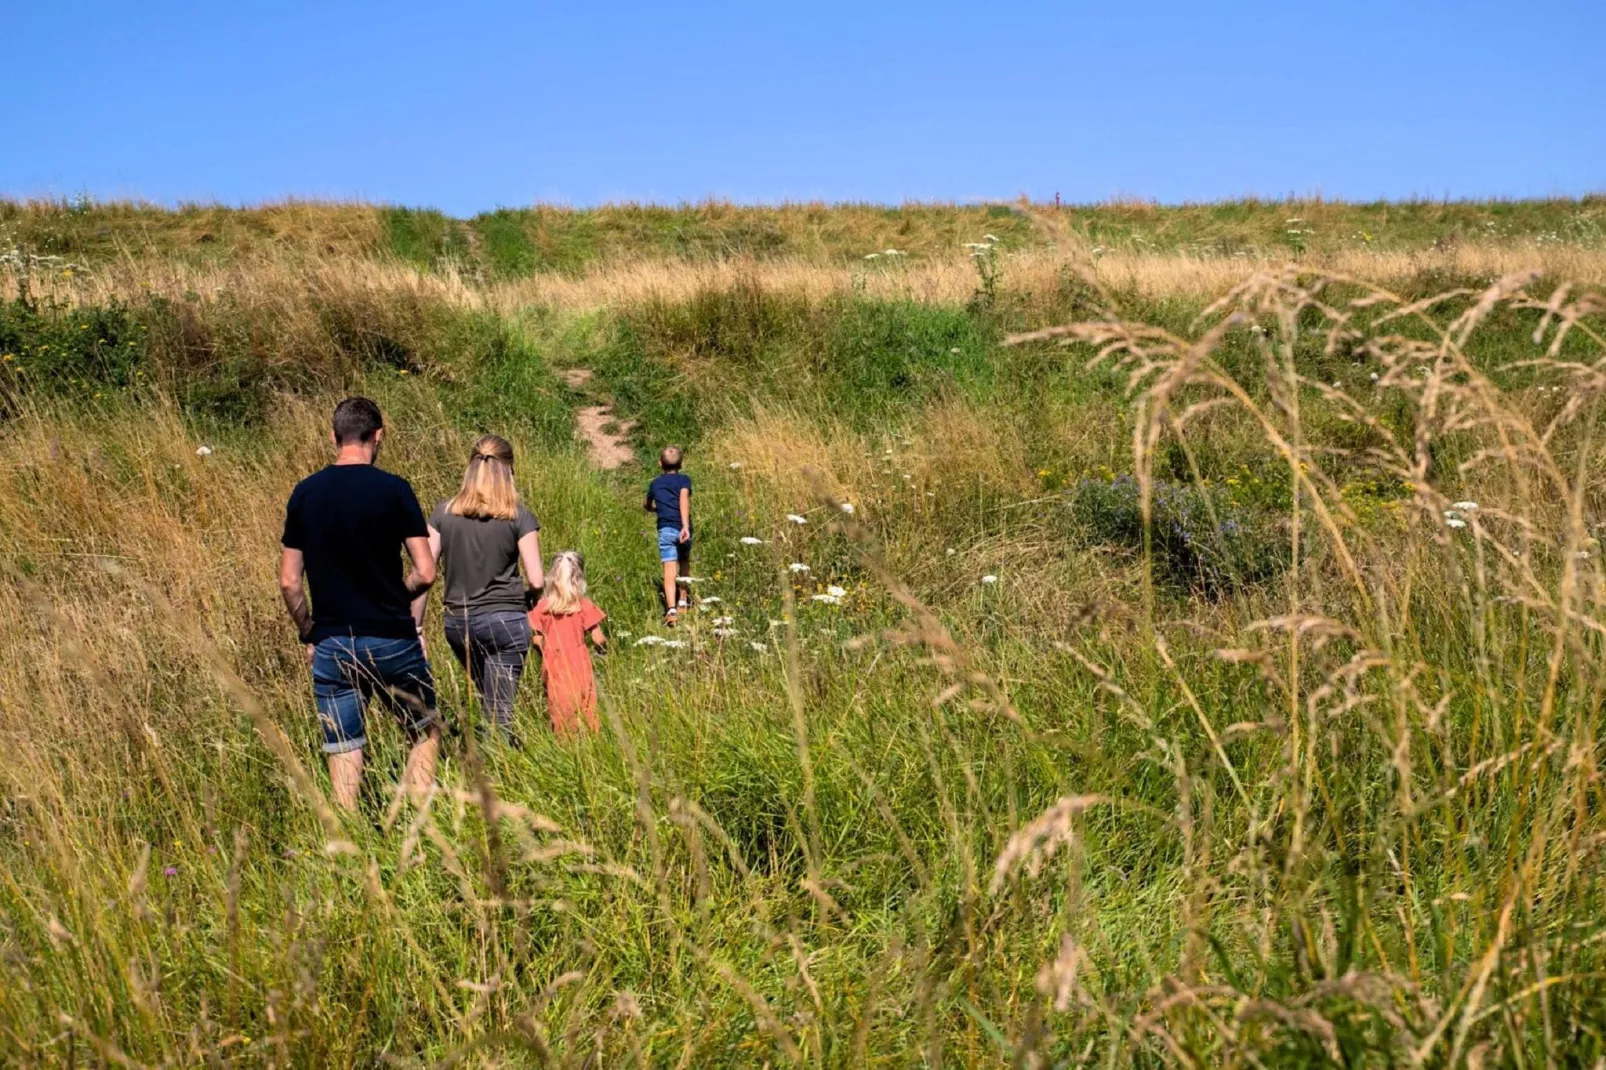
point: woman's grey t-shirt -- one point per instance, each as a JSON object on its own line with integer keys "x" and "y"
{"x": 481, "y": 560}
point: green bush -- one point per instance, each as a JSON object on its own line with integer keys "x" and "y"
{"x": 56, "y": 350}
{"x": 1198, "y": 539}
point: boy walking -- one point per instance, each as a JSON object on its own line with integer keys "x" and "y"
{"x": 669, "y": 497}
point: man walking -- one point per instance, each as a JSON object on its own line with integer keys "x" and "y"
{"x": 345, "y": 528}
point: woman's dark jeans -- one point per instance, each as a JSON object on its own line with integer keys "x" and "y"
{"x": 493, "y": 647}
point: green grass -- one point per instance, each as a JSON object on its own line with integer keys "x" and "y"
{"x": 514, "y": 242}
{"x": 1339, "y": 806}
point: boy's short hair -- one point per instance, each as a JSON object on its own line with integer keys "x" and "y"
{"x": 669, "y": 460}
{"x": 356, "y": 420}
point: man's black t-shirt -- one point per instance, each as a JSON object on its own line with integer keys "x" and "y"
{"x": 350, "y": 522}
{"x": 664, "y": 494}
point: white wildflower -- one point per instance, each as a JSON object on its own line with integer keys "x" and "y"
{"x": 836, "y": 592}
{"x": 1374, "y": 377}
{"x": 621, "y": 633}
{"x": 991, "y": 237}
{"x": 828, "y": 599}
{"x": 749, "y": 540}
{"x": 688, "y": 580}
{"x": 724, "y": 622}
{"x": 673, "y": 644}
{"x": 734, "y": 465}
{"x": 1455, "y": 522}
{"x": 951, "y": 551}
{"x": 203, "y": 451}
{"x": 650, "y": 640}
{"x": 872, "y": 256}
{"x": 1465, "y": 506}
{"x": 723, "y": 633}
{"x": 955, "y": 349}
{"x": 847, "y": 507}
{"x": 798, "y": 566}
{"x": 757, "y": 647}
{"x": 890, "y": 252}
{"x": 711, "y": 600}
{"x": 989, "y": 579}
{"x": 1582, "y": 555}
{"x": 794, "y": 518}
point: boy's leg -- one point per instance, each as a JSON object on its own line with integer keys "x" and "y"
{"x": 683, "y": 563}
{"x": 668, "y": 554}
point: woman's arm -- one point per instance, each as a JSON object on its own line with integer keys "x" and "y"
{"x": 530, "y": 557}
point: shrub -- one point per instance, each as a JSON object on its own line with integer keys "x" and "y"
{"x": 1198, "y": 539}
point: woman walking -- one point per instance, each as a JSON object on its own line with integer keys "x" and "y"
{"x": 480, "y": 537}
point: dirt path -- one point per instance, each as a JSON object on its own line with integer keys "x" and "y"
{"x": 607, "y": 438}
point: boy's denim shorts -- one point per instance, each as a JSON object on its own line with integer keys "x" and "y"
{"x": 349, "y": 670}
{"x": 670, "y": 548}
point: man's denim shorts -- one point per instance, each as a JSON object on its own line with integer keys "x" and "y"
{"x": 349, "y": 670}
{"x": 670, "y": 548}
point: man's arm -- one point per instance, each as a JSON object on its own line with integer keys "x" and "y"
{"x": 292, "y": 570}
{"x": 422, "y": 598}
{"x": 685, "y": 514}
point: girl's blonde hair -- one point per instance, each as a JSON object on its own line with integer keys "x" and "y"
{"x": 488, "y": 492}
{"x": 566, "y": 583}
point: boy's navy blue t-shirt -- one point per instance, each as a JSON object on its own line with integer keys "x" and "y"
{"x": 664, "y": 494}
{"x": 350, "y": 522}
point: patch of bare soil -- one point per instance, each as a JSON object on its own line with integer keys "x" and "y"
{"x": 575, "y": 378}
{"x": 606, "y": 439}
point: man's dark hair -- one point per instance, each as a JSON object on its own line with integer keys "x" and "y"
{"x": 357, "y": 420}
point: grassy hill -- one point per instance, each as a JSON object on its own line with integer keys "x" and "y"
{"x": 516, "y": 243}
{"x": 1214, "y": 679}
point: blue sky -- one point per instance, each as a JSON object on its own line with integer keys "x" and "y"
{"x": 472, "y": 105}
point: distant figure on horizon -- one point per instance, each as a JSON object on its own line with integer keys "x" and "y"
{"x": 480, "y": 536}
{"x": 562, "y": 621}
{"x": 669, "y": 497}
{"x": 344, "y": 530}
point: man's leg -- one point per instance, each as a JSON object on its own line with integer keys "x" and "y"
{"x": 409, "y": 689}
{"x": 338, "y": 692}
{"x": 420, "y": 775}
{"x": 345, "y": 777}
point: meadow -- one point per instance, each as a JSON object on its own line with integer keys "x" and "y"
{"x": 1174, "y": 636}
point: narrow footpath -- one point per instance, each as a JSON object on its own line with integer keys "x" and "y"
{"x": 607, "y": 438}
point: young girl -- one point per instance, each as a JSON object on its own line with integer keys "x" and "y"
{"x": 559, "y": 624}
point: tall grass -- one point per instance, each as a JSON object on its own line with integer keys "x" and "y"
{"x": 1095, "y": 812}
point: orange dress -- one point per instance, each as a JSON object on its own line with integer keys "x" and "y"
{"x": 571, "y": 689}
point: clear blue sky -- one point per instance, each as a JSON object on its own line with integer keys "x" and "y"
{"x": 474, "y": 104}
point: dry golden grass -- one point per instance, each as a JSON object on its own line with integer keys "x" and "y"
{"x": 282, "y": 278}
